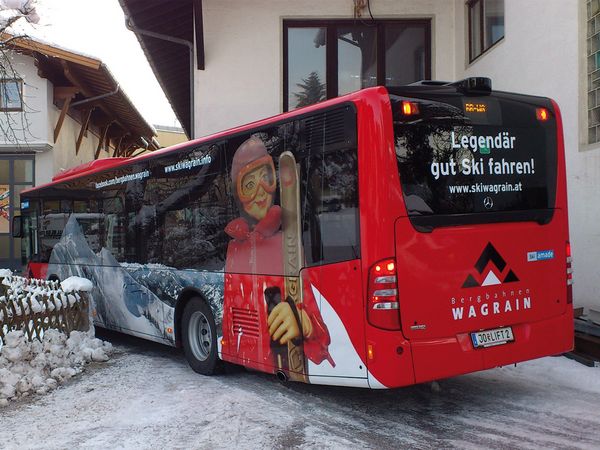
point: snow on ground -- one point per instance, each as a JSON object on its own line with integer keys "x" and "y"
{"x": 147, "y": 397}
{"x": 562, "y": 373}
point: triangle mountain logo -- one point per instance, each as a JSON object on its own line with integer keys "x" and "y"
{"x": 497, "y": 272}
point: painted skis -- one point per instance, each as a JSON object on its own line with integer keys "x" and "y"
{"x": 292, "y": 255}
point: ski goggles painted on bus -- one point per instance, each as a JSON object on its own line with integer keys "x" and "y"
{"x": 260, "y": 172}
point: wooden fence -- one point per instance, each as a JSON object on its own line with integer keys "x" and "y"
{"x": 35, "y": 306}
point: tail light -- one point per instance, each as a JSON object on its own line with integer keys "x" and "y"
{"x": 410, "y": 108}
{"x": 542, "y": 114}
{"x": 569, "y": 275}
{"x": 382, "y": 304}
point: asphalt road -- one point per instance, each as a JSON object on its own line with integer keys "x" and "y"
{"x": 147, "y": 397}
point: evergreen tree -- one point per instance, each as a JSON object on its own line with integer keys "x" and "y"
{"x": 312, "y": 90}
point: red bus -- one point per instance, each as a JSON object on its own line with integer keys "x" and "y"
{"x": 380, "y": 239}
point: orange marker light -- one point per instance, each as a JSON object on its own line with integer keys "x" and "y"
{"x": 370, "y": 353}
{"x": 169, "y": 330}
{"x": 409, "y": 108}
{"x": 542, "y": 114}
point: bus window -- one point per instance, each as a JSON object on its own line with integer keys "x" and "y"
{"x": 51, "y": 206}
{"x": 194, "y": 234}
{"x": 29, "y": 243}
{"x": 51, "y": 225}
{"x": 66, "y": 206}
{"x": 330, "y": 210}
{"x": 185, "y": 210}
{"x": 114, "y": 227}
{"x": 457, "y": 167}
{"x": 90, "y": 224}
{"x": 81, "y": 206}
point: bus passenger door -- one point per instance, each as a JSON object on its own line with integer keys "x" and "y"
{"x": 334, "y": 346}
{"x": 334, "y": 349}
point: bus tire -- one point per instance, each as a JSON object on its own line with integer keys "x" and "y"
{"x": 199, "y": 338}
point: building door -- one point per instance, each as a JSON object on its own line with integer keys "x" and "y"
{"x": 16, "y": 175}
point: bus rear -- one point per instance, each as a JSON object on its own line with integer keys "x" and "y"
{"x": 469, "y": 259}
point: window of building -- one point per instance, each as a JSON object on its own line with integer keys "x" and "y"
{"x": 324, "y": 59}
{"x": 486, "y": 25}
{"x": 16, "y": 175}
{"x": 11, "y": 95}
{"x": 593, "y": 70}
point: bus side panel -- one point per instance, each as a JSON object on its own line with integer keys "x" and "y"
{"x": 333, "y": 349}
{"x": 337, "y": 291}
{"x": 390, "y": 363}
{"x": 389, "y": 359}
{"x": 561, "y": 179}
{"x": 246, "y": 340}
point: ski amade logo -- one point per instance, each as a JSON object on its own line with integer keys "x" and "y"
{"x": 492, "y": 277}
{"x": 500, "y": 296}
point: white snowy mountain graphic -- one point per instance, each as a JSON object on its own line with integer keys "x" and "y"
{"x": 491, "y": 279}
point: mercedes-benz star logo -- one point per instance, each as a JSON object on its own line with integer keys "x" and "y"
{"x": 488, "y": 202}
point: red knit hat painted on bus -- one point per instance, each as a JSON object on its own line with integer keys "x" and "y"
{"x": 250, "y": 155}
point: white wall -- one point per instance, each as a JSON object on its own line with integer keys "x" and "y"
{"x": 35, "y": 127}
{"x": 243, "y": 80}
{"x": 540, "y": 55}
{"x": 30, "y": 125}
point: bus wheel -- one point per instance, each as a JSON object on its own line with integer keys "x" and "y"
{"x": 199, "y": 335}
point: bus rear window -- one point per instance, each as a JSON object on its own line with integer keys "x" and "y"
{"x": 475, "y": 160}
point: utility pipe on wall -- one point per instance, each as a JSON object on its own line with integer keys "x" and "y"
{"x": 190, "y": 45}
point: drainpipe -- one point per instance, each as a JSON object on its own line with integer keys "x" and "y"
{"x": 98, "y": 97}
{"x": 190, "y": 45}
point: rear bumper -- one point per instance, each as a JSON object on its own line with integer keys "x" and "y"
{"x": 445, "y": 357}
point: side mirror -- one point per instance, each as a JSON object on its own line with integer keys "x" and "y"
{"x": 17, "y": 227}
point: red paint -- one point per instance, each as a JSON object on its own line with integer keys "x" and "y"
{"x": 37, "y": 270}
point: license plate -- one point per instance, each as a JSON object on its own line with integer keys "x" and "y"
{"x": 488, "y": 338}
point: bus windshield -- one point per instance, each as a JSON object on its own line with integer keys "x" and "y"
{"x": 475, "y": 159}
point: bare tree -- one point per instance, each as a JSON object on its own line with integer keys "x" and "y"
{"x": 14, "y": 126}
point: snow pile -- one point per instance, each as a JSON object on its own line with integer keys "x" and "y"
{"x": 38, "y": 367}
{"x": 73, "y": 284}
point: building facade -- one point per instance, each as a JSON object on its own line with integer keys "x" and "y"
{"x": 256, "y": 59}
{"x": 54, "y": 115}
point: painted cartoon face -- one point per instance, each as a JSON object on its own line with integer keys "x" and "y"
{"x": 256, "y": 189}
